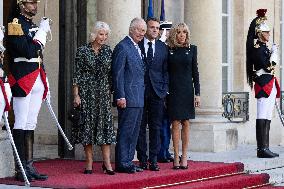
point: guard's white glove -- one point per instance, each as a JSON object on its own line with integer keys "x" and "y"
{"x": 274, "y": 54}
{"x": 163, "y": 37}
{"x": 44, "y": 24}
{"x": 41, "y": 34}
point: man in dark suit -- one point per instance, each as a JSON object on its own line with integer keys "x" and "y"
{"x": 128, "y": 81}
{"x": 156, "y": 88}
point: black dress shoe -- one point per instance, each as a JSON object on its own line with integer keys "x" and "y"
{"x": 171, "y": 159}
{"x": 19, "y": 176}
{"x": 143, "y": 165}
{"x": 86, "y": 171}
{"x": 129, "y": 170}
{"x": 154, "y": 167}
{"x": 138, "y": 169}
{"x": 31, "y": 171}
{"x": 164, "y": 161}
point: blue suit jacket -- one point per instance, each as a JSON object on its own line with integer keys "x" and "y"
{"x": 128, "y": 74}
{"x": 158, "y": 69}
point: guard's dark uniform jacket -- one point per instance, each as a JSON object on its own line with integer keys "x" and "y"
{"x": 25, "y": 63}
{"x": 263, "y": 83}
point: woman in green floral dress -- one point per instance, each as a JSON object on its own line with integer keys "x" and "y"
{"x": 92, "y": 92}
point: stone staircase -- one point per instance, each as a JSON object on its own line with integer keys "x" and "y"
{"x": 247, "y": 155}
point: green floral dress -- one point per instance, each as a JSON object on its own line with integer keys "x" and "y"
{"x": 92, "y": 73}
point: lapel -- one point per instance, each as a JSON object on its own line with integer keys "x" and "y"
{"x": 157, "y": 48}
{"x": 132, "y": 47}
{"x": 142, "y": 48}
{"x": 135, "y": 51}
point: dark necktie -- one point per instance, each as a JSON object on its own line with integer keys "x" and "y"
{"x": 150, "y": 53}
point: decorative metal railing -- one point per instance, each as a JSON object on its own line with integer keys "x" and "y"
{"x": 236, "y": 106}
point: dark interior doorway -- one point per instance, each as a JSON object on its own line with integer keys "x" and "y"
{"x": 72, "y": 33}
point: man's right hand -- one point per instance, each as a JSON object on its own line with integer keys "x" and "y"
{"x": 76, "y": 101}
{"x": 121, "y": 103}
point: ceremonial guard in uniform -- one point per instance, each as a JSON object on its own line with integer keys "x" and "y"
{"x": 261, "y": 64}
{"x": 27, "y": 79}
{"x": 164, "y": 155}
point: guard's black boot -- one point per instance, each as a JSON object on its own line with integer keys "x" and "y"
{"x": 29, "y": 141}
{"x": 261, "y": 139}
{"x": 19, "y": 139}
{"x": 266, "y": 136}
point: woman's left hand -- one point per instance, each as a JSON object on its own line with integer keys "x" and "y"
{"x": 197, "y": 101}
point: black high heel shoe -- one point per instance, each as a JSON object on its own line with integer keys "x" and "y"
{"x": 175, "y": 166}
{"x": 88, "y": 171}
{"x": 106, "y": 171}
{"x": 182, "y": 167}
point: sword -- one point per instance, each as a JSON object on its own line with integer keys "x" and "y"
{"x": 6, "y": 122}
{"x": 279, "y": 113}
{"x": 45, "y": 17}
{"x": 45, "y": 9}
{"x": 47, "y": 102}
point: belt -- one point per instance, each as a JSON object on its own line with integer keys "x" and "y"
{"x": 262, "y": 71}
{"x": 21, "y": 59}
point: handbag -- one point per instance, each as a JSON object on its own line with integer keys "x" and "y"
{"x": 76, "y": 116}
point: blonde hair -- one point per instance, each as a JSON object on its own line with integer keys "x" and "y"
{"x": 172, "y": 39}
{"x": 99, "y": 25}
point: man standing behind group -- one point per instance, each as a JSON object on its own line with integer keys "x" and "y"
{"x": 128, "y": 84}
{"x": 156, "y": 88}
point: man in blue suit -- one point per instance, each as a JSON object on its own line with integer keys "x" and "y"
{"x": 128, "y": 83}
{"x": 156, "y": 88}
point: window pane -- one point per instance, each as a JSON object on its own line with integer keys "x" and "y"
{"x": 224, "y": 79}
{"x": 224, "y": 6}
{"x": 224, "y": 39}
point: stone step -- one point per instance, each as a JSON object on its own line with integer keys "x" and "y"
{"x": 45, "y": 151}
{"x": 245, "y": 154}
{"x": 276, "y": 175}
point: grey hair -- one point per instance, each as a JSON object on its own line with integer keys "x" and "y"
{"x": 135, "y": 22}
{"x": 99, "y": 25}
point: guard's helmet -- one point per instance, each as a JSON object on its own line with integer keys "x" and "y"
{"x": 165, "y": 25}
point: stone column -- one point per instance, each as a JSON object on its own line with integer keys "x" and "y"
{"x": 174, "y": 11}
{"x": 118, "y": 15}
{"x": 208, "y": 131}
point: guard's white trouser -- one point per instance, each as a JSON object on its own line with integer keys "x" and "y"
{"x": 26, "y": 109}
{"x": 265, "y": 105}
{"x": 2, "y": 100}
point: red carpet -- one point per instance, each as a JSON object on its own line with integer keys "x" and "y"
{"x": 69, "y": 174}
